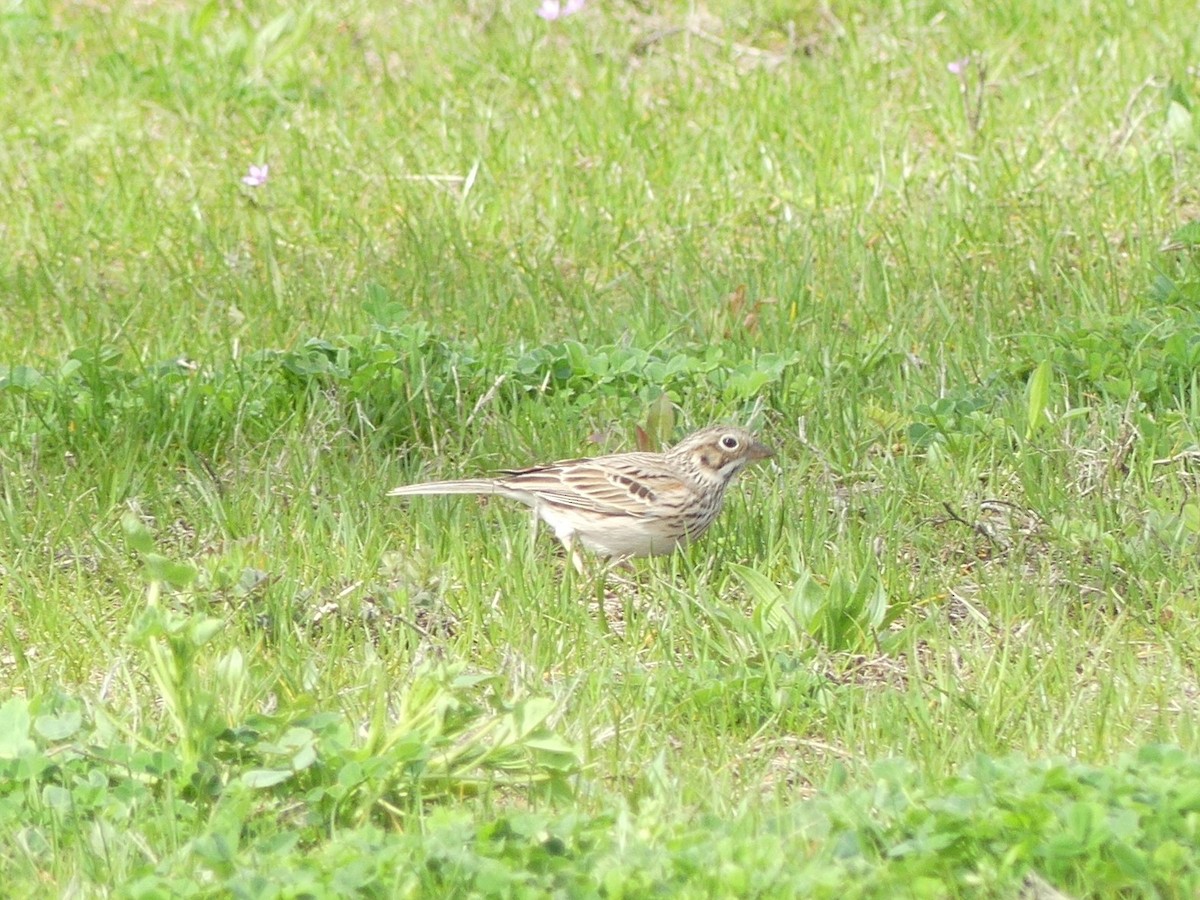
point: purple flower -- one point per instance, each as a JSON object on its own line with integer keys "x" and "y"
{"x": 554, "y": 9}
{"x": 257, "y": 176}
{"x": 958, "y": 66}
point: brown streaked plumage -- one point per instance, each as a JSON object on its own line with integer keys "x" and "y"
{"x": 625, "y": 504}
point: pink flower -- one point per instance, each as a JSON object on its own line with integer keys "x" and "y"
{"x": 958, "y": 66}
{"x": 257, "y": 176}
{"x": 554, "y": 9}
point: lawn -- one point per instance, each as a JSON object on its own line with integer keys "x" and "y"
{"x": 260, "y": 263}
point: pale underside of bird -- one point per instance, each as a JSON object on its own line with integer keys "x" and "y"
{"x": 624, "y": 504}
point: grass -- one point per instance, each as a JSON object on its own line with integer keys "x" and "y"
{"x": 943, "y": 645}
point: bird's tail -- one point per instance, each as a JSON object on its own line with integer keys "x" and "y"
{"x": 470, "y": 486}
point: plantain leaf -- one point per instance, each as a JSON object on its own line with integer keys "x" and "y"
{"x": 1038, "y": 397}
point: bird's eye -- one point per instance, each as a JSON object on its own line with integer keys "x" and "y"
{"x": 729, "y": 442}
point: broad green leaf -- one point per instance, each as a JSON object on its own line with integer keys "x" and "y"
{"x": 1179, "y": 128}
{"x": 14, "y": 728}
{"x": 529, "y": 715}
{"x": 1190, "y": 514}
{"x": 137, "y": 535}
{"x": 265, "y": 778}
{"x": 660, "y": 421}
{"x": 160, "y": 568}
{"x": 761, "y": 588}
{"x": 1038, "y": 398}
{"x": 59, "y": 727}
{"x": 201, "y": 631}
{"x": 57, "y": 798}
{"x": 1187, "y": 235}
{"x": 22, "y": 378}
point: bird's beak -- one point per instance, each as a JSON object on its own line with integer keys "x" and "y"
{"x": 759, "y": 451}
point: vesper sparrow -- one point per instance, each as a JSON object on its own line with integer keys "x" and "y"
{"x": 625, "y": 504}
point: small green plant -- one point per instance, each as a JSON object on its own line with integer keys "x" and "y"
{"x": 397, "y": 381}
{"x": 964, "y": 411}
{"x": 1037, "y": 399}
{"x": 1126, "y": 827}
{"x": 587, "y": 373}
{"x": 444, "y": 734}
{"x": 1152, "y": 354}
{"x": 842, "y": 612}
{"x": 1129, "y": 827}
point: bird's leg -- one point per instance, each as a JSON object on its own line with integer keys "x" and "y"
{"x": 596, "y": 579}
{"x": 568, "y": 542}
{"x": 566, "y": 537}
{"x": 628, "y": 572}
{"x": 533, "y": 526}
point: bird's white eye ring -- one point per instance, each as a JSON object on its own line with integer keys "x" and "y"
{"x": 729, "y": 442}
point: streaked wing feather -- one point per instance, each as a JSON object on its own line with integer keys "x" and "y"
{"x": 643, "y": 460}
{"x": 627, "y": 484}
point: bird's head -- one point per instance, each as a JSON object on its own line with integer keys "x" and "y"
{"x": 719, "y": 453}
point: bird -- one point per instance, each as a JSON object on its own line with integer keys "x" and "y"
{"x": 624, "y": 504}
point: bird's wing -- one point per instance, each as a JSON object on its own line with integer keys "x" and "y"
{"x": 629, "y": 484}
